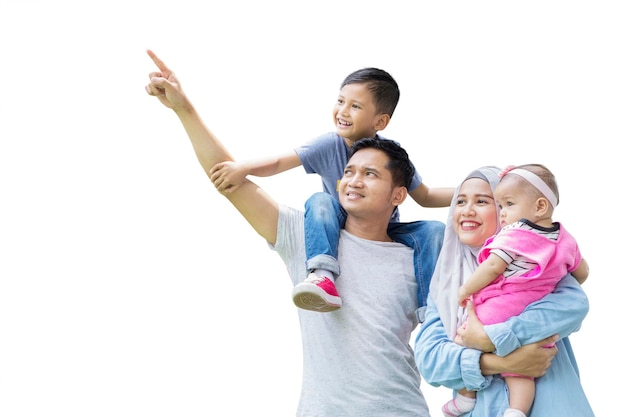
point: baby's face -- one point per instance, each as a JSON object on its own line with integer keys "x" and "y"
{"x": 515, "y": 201}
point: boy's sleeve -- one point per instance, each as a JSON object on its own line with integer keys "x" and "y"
{"x": 317, "y": 153}
{"x": 417, "y": 179}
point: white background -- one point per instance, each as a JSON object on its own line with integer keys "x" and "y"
{"x": 130, "y": 287}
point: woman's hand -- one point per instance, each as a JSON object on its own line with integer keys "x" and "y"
{"x": 472, "y": 334}
{"x": 531, "y": 360}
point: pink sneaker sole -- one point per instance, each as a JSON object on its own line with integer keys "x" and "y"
{"x": 311, "y": 297}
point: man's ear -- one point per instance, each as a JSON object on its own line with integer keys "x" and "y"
{"x": 399, "y": 195}
{"x": 382, "y": 122}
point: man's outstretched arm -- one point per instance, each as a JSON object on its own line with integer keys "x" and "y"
{"x": 258, "y": 208}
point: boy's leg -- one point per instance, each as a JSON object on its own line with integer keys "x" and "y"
{"x": 323, "y": 217}
{"x": 426, "y": 238}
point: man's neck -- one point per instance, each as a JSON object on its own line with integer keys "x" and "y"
{"x": 370, "y": 230}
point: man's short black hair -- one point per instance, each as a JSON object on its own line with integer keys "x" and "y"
{"x": 401, "y": 167}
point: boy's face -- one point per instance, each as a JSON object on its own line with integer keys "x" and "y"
{"x": 355, "y": 114}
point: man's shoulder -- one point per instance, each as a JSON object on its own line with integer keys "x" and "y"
{"x": 288, "y": 211}
{"x": 290, "y": 229}
{"x": 290, "y": 219}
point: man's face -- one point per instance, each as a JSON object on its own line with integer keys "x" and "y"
{"x": 367, "y": 188}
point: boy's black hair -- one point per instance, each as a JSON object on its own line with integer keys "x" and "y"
{"x": 382, "y": 85}
{"x": 400, "y": 166}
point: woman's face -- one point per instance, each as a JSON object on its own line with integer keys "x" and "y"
{"x": 475, "y": 213}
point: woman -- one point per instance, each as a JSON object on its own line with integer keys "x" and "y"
{"x": 517, "y": 343}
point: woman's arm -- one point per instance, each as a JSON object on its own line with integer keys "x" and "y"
{"x": 442, "y": 362}
{"x": 558, "y": 313}
{"x": 531, "y": 360}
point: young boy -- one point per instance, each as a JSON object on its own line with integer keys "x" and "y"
{"x": 366, "y": 102}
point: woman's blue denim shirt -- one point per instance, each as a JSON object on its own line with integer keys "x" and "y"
{"x": 442, "y": 362}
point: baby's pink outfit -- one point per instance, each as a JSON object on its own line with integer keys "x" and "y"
{"x": 507, "y": 297}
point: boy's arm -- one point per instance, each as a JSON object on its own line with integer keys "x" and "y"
{"x": 490, "y": 269}
{"x": 258, "y": 208}
{"x": 229, "y": 175}
{"x": 432, "y": 197}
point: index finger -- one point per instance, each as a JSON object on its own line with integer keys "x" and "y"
{"x": 160, "y": 64}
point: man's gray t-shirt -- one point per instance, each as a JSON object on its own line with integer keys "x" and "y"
{"x": 357, "y": 361}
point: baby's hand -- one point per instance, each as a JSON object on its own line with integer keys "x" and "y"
{"x": 472, "y": 333}
{"x": 463, "y": 296}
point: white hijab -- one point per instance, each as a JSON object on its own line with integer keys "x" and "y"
{"x": 456, "y": 261}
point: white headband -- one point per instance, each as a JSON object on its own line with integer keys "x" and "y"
{"x": 536, "y": 182}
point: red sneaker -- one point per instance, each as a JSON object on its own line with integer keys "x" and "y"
{"x": 317, "y": 294}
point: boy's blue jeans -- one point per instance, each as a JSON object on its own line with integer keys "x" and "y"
{"x": 324, "y": 217}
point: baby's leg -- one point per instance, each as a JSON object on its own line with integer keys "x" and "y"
{"x": 521, "y": 392}
{"x": 463, "y": 402}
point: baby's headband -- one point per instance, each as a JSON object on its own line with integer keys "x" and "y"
{"x": 535, "y": 181}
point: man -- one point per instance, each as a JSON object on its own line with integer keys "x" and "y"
{"x": 357, "y": 360}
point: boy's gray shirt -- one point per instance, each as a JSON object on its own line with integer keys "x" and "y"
{"x": 357, "y": 361}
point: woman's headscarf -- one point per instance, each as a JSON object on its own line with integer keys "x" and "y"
{"x": 456, "y": 261}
